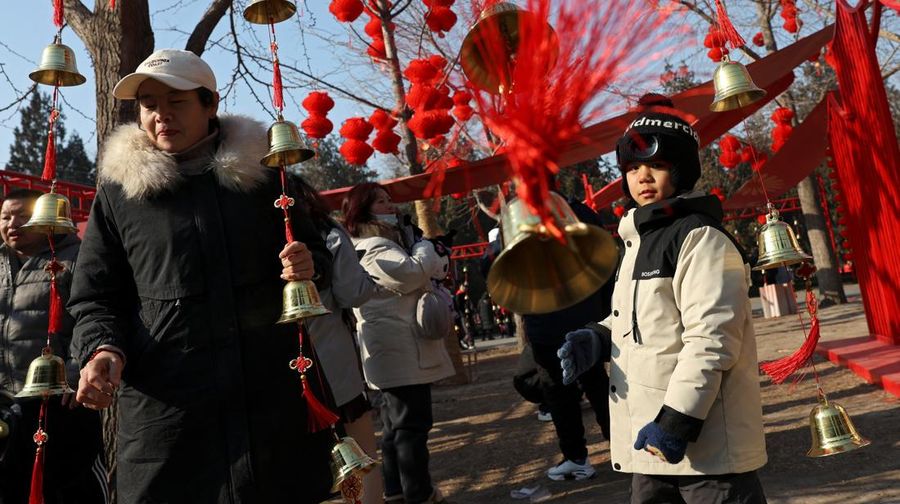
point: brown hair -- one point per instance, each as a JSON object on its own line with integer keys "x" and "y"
{"x": 357, "y": 206}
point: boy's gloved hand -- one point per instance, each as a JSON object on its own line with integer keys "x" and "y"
{"x": 583, "y": 349}
{"x": 654, "y": 439}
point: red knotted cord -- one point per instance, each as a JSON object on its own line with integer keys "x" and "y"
{"x": 724, "y": 22}
{"x": 36, "y": 496}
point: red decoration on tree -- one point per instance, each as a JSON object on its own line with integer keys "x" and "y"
{"x": 789, "y": 14}
{"x": 461, "y": 108}
{"x": 317, "y": 125}
{"x": 440, "y": 20}
{"x": 718, "y": 192}
{"x": 421, "y": 71}
{"x": 758, "y": 40}
{"x": 748, "y": 153}
{"x": 356, "y": 128}
{"x": 318, "y": 102}
{"x": 715, "y": 42}
{"x": 760, "y": 161}
{"x": 730, "y": 155}
{"x": 427, "y": 124}
{"x": 386, "y": 142}
{"x": 356, "y": 152}
{"x": 381, "y": 120}
{"x": 377, "y": 49}
{"x": 782, "y": 116}
{"x": 346, "y": 11}
{"x": 619, "y": 211}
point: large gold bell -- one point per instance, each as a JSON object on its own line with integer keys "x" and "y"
{"x": 734, "y": 87}
{"x": 266, "y": 11}
{"x": 51, "y": 215}
{"x": 57, "y": 67}
{"x": 300, "y": 300}
{"x": 778, "y": 245}
{"x": 46, "y": 376}
{"x": 832, "y": 430}
{"x": 285, "y": 145}
{"x": 489, "y": 50}
{"x": 535, "y": 272}
{"x": 348, "y": 458}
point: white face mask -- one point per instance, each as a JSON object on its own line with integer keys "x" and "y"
{"x": 387, "y": 218}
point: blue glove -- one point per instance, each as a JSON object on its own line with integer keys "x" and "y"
{"x": 655, "y": 440}
{"x": 582, "y": 350}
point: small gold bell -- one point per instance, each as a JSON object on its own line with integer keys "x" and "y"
{"x": 832, "y": 430}
{"x": 488, "y": 62}
{"x": 46, "y": 376}
{"x": 57, "y": 67}
{"x": 51, "y": 215}
{"x": 535, "y": 273}
{"x": 266, "y": 11}
{"x": 734, "y": 87}
{"x": 285, "y": 145}
{"x": 348, "y": 458}
{"x": 778, "y": 245}
{"x": 300, "y": 300}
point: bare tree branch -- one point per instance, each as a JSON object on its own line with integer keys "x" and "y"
{"x": 197, "y": 41}
{"x": 19, "y": 99}
{"x": 78, "y": 16}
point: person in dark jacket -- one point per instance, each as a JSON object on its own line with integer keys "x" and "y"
{"x": 75, "y": 470}
{"x": 546, "y": 333}
{"x": 176, "y": 297}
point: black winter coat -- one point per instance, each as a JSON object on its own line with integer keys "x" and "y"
{"x": 182, "y": 274}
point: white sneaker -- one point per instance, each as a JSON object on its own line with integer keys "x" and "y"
{"x": 568, "y": 470}
{"x": 544, "y": 417}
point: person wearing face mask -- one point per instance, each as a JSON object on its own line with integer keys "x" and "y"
{"x": 176, "y": 295}
{"x": 397, "y": 361}
{"x": 684, "y": 399}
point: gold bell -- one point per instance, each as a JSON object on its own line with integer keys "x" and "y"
{"x": 488, "y": 64}
{"x": 832, "y": 430}
{"x": 266, "y": 11}
{"x": 734, "y": 87}
{"x": 57, "y": 67}
{"x": 51, "y": 215}
{"x": 300, "y": 300}
{"x": 285, "y": 145}
{"x": 535, "y": 273}
{"x": 4, "y": 429}
{"x": 778, "y": 245}
{"x": 46, "y": 376}
{"x": 347, "y": 458}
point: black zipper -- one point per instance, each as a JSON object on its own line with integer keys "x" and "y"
{"x": 635, "y": 330}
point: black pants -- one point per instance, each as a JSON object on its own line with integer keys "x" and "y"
{"x": 406, "y": 418}
{"x": 742, "y": 488}
{"x": 74, "y": 470}
{"x": 564, "y": 401}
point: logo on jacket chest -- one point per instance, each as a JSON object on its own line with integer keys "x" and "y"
{"x": 650, "y": 274}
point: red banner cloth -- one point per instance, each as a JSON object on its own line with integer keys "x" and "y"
{"x": 866, "y": 158}
{"x": 773, "y": 73}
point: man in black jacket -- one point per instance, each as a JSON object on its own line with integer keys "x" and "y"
{"x": 176, "y": 298}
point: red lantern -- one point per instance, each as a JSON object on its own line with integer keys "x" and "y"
{"x": 317, "y": 126}
{"x": 440, "y": 19}
{"x": 356, "y": 152}
{"x": 381, "y": 120}
{"x": 421, "y": 71}
{"x": 318, "y": 102}
{"x": 356, "y": 128}
{"x": 377, "y": 49}
{"x": 426, "y": 124}
{"x": 729, "y": 159}
{"x": 346, "y": 11}
{"x": 729, "y": 143}
{"x": 463, "y": 113}
{"x": 782, "y": 115}
{"x": 386, "y": 142}
{"x": 758, "y": 40}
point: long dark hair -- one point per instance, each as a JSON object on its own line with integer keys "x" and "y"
{"x": 313, "y": 202}
{"x": 357, "y": 206}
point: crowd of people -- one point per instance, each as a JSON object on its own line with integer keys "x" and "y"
{"x": 174, "y": 291}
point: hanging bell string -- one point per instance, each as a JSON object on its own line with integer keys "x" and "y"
{"x": 36, "y": 495}
{"x": 55, "y": 321}
{"x": 724, "y": 22}
{"x": 319, "y": 417}
{"x": 49, "y": 173}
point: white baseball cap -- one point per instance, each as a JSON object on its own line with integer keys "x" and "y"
{"x": 182, "y": 70}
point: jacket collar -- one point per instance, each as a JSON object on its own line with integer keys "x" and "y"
{"x": 661, "y": 213}
{"x": 130, "y": 160}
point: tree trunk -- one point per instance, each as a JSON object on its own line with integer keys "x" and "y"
{"x": 117, "y": 42}
{"x": 829, "y": 279}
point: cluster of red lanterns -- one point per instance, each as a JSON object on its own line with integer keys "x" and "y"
{"x": 715, "y": 41}
{"x": 734, "y": 152}
{"x": 440, "y": 18}
{"x": 428, "y": 98}
{"x": 317, "y": 105}
{"x": 782, "y": 117}
{"x": 356, "y": 131}
{"x": 789, "y": 14}
{"x": 373, "y": 28}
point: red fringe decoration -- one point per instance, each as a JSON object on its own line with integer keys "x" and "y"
{"x": 318, "y": 416}
{"x": 731, "y": 34}
{"x": 58, "y": 9}
{"x": 277, "y": 87}
{"x": 36, "y": 496}
{"x": 779, "y": 370}
{"x": 56, "y": 309}
{"x": 50, "y": 157}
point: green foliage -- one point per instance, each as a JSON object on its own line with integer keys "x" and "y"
{"x": 26, "y": 154}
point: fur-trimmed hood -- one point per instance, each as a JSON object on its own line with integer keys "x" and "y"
{"x": 380, "y": 229}
{"x": 132, "y": 161}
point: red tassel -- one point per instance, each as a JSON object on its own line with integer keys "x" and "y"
{"x": 37, "y": 471}
{"x": 779, "y": 370}
{"x": 318, "y": 416}
{"x": 58, "y": 13}
{"x": 56, "y": 309}
{"x": 727, "y": 28}
{"x": 277, "y": 87}
{"x": 112, "y": 4}
{"x": 50, "y": 159}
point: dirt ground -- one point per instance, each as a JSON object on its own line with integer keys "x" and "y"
{"x": 487, "y": 441}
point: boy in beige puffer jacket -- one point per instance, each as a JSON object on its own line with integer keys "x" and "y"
{"x": 685, "y": 408}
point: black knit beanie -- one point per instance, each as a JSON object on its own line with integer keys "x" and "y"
{"x": 659, "y": 133}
